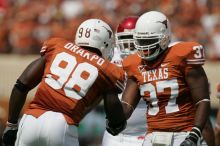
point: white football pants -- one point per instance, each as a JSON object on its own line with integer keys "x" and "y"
{"x": 154, "y": 139}
{"x": 122, "y": 140}
{"x": 50, "y": 129}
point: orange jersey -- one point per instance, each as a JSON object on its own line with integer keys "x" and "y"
{"x": 74, "y": 80}
{"x": 162, "y": 84}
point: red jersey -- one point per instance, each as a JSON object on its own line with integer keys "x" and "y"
{"x": 162, "y": 84}
{"x": 74, "y": 80}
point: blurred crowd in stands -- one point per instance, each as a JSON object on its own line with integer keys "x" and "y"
{"x": 25, "y": 24}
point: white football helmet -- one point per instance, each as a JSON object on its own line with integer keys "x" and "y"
{"x": 151, "y": 35}
{"x": 97, "y": 34}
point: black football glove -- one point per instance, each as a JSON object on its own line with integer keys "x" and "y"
{"x": 10, "y": 134}
{"x": 192, "y": 138}
{"x": 115, "y": 129}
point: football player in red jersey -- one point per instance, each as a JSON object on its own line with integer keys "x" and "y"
{"x": 217, "y": 124}
{"x": 135, "y": 130}
{"x": 171, "y": 79}
{"x": 72, "y": 79}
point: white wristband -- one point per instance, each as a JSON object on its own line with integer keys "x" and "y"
{"x": 11, "y": 124}
{"x": 132, "y": 108}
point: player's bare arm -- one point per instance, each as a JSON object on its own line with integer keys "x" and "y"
{"x": 208, "y": 133}
{"x": 217, "y": 128}
{"x": 112, "y": 105}
{"x": 199, "y": 87}
{"x": 28, "y": 80}
{"x": 130, "y": 97}
{"x": 116, "y": 120}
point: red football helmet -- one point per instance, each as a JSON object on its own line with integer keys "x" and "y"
{"x": 124, "y": 35}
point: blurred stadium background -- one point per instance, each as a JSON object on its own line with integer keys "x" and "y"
{"x": 25, "y": 24}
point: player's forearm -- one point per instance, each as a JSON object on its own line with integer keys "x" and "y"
{"x": 202, "y": 114}
{"x": 116, "y": 121}
{"x": 217, "y": 136}
{"x": 130, "y": 97}
{"x": 217, "y": 129}
{"x": 208, "y": 133}
{"x": 29, "y": 79}
{"x": 17, "y": 100}
{"x": 113, "y": 109}
{"x": 127, "y": 108}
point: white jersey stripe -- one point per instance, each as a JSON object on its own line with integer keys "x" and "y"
{"x": 120, "y": 85}
{"x": 195, "y": 60}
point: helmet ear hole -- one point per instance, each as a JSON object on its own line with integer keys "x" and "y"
{"x": 106, "y": 44}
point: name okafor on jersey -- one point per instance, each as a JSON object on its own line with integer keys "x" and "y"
{"x": 136, "y": 124}
{"x": 73, "y": 80}
{"x": 162, "y": 84}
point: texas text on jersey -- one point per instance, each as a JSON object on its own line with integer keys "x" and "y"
{"x": 66, "y": 62}
{"x": 162, "y": 83}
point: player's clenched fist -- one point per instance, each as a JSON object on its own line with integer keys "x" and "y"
{"x": 9, "y": 134}
{"x": 115, "y": 129}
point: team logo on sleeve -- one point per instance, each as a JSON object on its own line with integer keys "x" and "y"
{"x": 141, "y": 68}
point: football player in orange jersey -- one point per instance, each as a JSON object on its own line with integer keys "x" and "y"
{"x": 135, "y": 130}
{"x": 72, "y": 79}
{"x": 171, "y": 79}
{"x": 217, "y": 124}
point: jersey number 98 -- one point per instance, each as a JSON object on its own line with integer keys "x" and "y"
{"x": 75, "y": 78}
